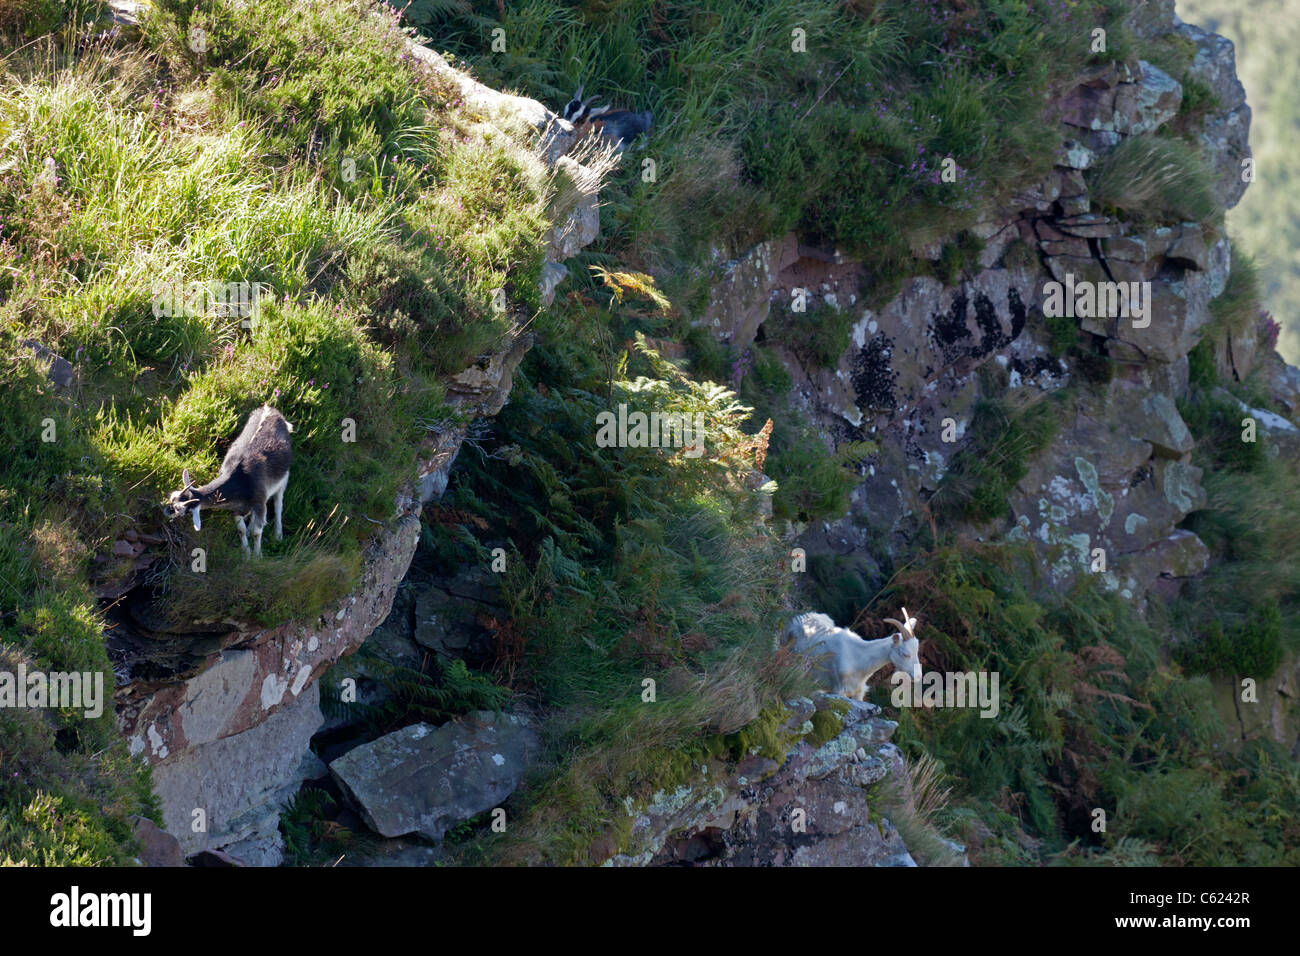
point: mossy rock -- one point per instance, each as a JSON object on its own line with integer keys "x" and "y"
{"x": 827, "y": 724}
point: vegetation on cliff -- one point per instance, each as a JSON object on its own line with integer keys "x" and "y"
{"x": 277, "y": 143}
{"x": 298, "y": 146}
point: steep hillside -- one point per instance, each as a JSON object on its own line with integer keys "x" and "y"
{"x": 844, "y": 257}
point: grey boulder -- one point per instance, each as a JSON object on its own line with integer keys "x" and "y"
{"x": 424, "y": 779}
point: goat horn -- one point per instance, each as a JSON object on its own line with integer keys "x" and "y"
{"x": 578, "y": 95}
{"x": 897, "y": 624}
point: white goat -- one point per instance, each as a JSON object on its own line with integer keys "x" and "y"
{"x": 254, "y": 471}
{"x": 846, "y": 661}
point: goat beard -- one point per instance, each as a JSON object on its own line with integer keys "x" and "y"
{"x": 198, "y": 522}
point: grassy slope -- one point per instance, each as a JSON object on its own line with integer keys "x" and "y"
{"x": 149, "y": 163}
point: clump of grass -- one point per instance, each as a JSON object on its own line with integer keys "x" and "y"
{"x": 1238, "y": 307}
{"x": 1153, "y": 179}
{"x": 1001, "y": 440}
{"x": 914, "y": 806}
{"x": 296, "y": 584}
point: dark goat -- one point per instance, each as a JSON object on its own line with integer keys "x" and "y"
{"x": 620, "y": 126}
{"x": 254, "y": 472}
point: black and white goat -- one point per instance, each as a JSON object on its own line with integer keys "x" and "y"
{"x": 619, "y": 126}
{"x": 254, "y": 472}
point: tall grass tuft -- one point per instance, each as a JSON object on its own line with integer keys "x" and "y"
{"x": 1154, "y": 179}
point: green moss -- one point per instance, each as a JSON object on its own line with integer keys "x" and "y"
{"x": 826, "y": 726}
{"x": 840, "y": 707}
{"x": 763, "y": 737}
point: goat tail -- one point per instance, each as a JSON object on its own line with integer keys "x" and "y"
{"x": 288, "y": 424}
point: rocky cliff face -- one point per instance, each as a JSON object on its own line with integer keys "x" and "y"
{"x": 1116, "y": 480}
{"x": 1118, "y": 474}
{"x": 815, "y": 806}
{"x": 226, "y": 719}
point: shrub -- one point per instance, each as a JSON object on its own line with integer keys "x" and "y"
{"x": 1252, "y": 648}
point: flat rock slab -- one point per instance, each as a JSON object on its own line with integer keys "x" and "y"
{"x": 424, "y": 779}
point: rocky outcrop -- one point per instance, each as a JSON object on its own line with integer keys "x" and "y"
{"x": 815, "y": 806}
{"x": 1225, "y": 136}
{"x": 1273, "y": 711}
{"x": 449, "y": 614}
{"x": 424, "y": 780}
{"x": 227, "y": 792}
{"x": 1117, "y": 476}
